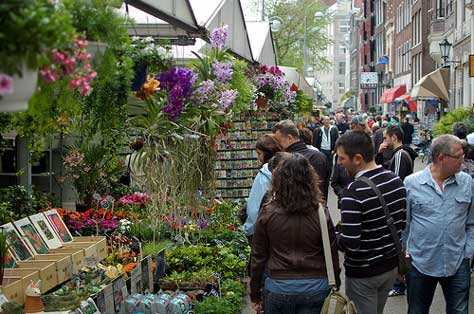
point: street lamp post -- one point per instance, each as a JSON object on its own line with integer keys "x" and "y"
{"x": 445, "y": 47}
{"x": 318, "y": 15}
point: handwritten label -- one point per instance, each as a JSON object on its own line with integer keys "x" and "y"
{"x": 91, "y": 261}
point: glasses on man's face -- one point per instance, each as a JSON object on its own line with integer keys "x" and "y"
{"x": 458, "y": 157}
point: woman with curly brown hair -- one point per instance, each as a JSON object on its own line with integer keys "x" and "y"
{"x": 267, "y": 146}
{"x": 287, "y": 242}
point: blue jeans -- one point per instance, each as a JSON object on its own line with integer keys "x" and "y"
{"x": 421, "y": 289}
{"x": 276, "y": 303}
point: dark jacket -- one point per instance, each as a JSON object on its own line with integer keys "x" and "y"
{"x": 408, "y": 130}
{"x": 342, "y": 127}
{"x": 290, "y": 246}
{"x": 318, "y": 137}
{"x": 402, "y": 161}
{"x": 378, "y": 139}
{"x": 317, "y": 160}
{"x": 340, "y": 179}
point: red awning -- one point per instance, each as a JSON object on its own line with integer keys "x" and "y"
{"x": 405, "y": 98}
{"x": 390, "y": 94}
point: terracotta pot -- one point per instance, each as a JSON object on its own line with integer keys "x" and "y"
{"x": 23, "y": 88}
{"x": 262, "y": 102}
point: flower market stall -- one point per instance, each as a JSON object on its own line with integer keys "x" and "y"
{"x": 171, "y": 243}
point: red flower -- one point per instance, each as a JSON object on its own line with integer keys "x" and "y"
{"x": 293, "y": 87}
{"x": 232, "y": 228}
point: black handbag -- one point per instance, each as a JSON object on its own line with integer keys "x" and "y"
{"x": 404, "y": 264}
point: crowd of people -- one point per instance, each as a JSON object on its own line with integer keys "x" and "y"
{"x": 390, "y": 216}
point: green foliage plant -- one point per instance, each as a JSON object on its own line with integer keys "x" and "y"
{"x": 98, "y": 20}
{"x": 28, "y": 32}
{"x": 230, "y": 301}
{"x": 444, "y": 125}
{"x": 303, "y": 102}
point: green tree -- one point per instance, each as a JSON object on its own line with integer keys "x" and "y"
{"x": 289, "y": 40}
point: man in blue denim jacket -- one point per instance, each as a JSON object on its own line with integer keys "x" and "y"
{"x": 439, "y": 235}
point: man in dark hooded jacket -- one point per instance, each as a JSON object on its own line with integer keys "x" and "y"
{"x": 287, "y": 134}
{"x": 403, "y": 156}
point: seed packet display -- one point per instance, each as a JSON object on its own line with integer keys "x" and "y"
{"x": 9, "y": 261}
{"x": 109, "y": 299}
{"x": 118, "y": 293}
{"x": 45, "y": 231}
{"x": 136, "y": 279}
{"x": 31, "y": 236}
{"x": 58, "y": 225}
{"x": 19, "y": 249}
{"x": 147, "y": 274}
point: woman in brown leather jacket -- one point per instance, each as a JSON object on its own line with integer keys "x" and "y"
{"x": 287, "y": 243}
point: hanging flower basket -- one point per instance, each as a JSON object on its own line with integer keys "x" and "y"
{"x": 140, "y": 77}
{"x": 262, "y": 102}
{"x": 21, "y": 90}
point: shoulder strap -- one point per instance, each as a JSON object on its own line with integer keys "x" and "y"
{"x": 266, "y": 175}
{"x": 326, "y": 246}
{"x": 388, "y": 216}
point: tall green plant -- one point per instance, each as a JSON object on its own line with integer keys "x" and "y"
{"x": 444, "y": 125}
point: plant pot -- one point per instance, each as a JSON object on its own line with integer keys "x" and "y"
{"x": 23, "y": 88}
{"x": 139, "y": 77}
{"x": 96, "y": 48}
{"x": 262, "y": 102}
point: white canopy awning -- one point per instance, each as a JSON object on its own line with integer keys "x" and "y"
{"x": 261, "y": 42}
{"x": 193, "y": 18}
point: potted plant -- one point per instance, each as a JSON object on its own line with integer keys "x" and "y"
{"x": 148, "y": 57}
{"x": 102, "y": 25}
{"x": 29, "y": 30}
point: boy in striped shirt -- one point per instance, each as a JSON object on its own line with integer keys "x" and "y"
{"x": 370, "y": 254}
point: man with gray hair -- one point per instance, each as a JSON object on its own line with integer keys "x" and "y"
{"x": 439, "y": 234}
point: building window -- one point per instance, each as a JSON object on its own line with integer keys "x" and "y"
{"x": 440, "y": 13}
{"x": 342, "y": 68}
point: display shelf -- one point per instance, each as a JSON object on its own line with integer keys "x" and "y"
{"x": 234, "y": 178}
{"x": 233, "y": 150}
{"x": 233, "y": 187}
{"x": 235, "y": 159}
{"x": 248, "y": 168}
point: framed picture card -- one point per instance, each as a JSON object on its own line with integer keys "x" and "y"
{"x": 18, "y": 248}
{"x": 136, "y": 279}
{"x": 31, "y": 236}
{"x": 147, "y": 274}
{"x": 9, "y": 261}
{"x": 45, "y": 230}
{"x": 58, "y": 225}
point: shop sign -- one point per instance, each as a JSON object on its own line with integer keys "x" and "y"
{"x": 369, "y": 80}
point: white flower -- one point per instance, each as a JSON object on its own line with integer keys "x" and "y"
{"x": 135, "y": 38}
{"x": 149, "y": 39}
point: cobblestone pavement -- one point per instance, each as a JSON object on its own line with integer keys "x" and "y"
{"x": 395, "y": 305}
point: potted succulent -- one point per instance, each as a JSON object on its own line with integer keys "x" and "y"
{"x": 28, "y": 31}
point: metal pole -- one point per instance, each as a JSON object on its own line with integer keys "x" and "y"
{"x": 263, "y": 10}
{"x": 452, "y": 94}
{"x": 305, "y": 52}
{"x": 472, "y": 51}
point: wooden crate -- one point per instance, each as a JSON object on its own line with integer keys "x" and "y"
{"x": 100, "y": 243}
{"x": 63, "y": 264}
{"x": 88, "y": 248}
{"x": 47, "y": 270}
{"x": 13, "y": 290}
{"x": 77, "y": 256}
{"x": 26, "y": 276}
